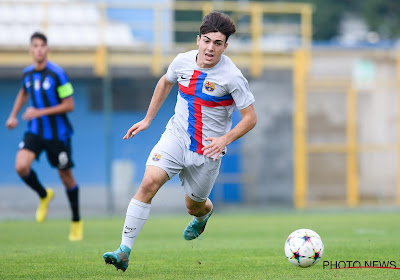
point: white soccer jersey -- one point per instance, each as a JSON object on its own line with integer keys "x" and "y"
{"x": 206, "y": 98}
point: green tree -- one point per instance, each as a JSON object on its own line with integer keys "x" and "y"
{"x": 382, "y": 17}
{"x": 326, "y": 15}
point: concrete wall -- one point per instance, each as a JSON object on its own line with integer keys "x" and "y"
{"x": 268, "y": 149}
{"x": 372, "y": 72}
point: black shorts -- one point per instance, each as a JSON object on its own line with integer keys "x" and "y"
{"x": 58, "y": 152}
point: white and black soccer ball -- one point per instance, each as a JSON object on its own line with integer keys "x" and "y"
{"x": 304, "y": 247}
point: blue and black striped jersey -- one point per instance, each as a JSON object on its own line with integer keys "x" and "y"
{"x": 46, "y": 88}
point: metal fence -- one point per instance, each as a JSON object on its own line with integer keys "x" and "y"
{"x": 110, "y": 34}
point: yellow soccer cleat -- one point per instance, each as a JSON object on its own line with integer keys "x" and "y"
{"x": 41, "y": 212}
{"x": 76, "y": 233}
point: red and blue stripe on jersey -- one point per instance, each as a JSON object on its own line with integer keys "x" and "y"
{"x": 196, "y": 98}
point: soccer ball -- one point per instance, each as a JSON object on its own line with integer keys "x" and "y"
{"x": 304, "y": 248}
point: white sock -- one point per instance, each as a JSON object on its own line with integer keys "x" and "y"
{"x": 202, "y": 218}
{"x": 136, "y": 216}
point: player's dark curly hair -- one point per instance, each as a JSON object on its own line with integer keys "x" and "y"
{"x": 218, "y": 22}
{"x": 39, "y": 35}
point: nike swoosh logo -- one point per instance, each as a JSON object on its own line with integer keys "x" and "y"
{"x": 184, "y": 78}
{"x": 129, "y": 230}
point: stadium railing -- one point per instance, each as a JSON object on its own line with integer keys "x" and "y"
{"x": 353, "y": 91}
{"x": 90, "y": 34}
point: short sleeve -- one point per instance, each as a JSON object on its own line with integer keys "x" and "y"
{"x": 171, "y": 72}
{"x": 241, "y": 93}
{"x": 23, "y": 82}
{"x": 26, "y": 78}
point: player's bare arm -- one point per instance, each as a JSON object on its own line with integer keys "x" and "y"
{"x": 218, "y": 144}
{"x": 161, "y": 92}
{"x": 20, "y": 101}
{"x": 66, "y": 105}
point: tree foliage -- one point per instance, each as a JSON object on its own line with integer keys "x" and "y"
{"x": 381, "y": 16}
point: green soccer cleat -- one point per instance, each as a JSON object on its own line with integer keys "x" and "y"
{"x": 195, "y": 228}
{"x": 119, "y": 258}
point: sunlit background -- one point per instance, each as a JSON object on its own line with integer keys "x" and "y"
{"x": 325, "y": 75}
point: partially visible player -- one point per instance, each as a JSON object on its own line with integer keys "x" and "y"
{"x": 211, "y": 87}
{"x": 50, "y": 96}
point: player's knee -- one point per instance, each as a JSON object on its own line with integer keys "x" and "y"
{"x": 22, "y": 169}
{"x": 67, "y": 178}
{"x": 148, "y": 187}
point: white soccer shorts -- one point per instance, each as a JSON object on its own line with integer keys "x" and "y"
{"x": 196, "y": 172}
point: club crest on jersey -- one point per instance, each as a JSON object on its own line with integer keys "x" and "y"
{"x": 46, "y": 84}
{"x": 156, "y": 157}
{"x": 209, "y": 86}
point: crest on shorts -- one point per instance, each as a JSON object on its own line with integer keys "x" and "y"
{"x": 21, "y": 144}
{"x": 209, "y": 86}
{"x": 156, "y": 157}
{"x": 62, "y": 159}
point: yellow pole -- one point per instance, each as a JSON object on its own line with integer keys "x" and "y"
{"x": 300, "y": 129}
{"x": 45, "y": 18}
{"x": 256, "y": 23}
{"x": 100, "y": 67}
{"x": 353, "y": 196}
{"x": 157, "y": 67}
{"x": 306, "y": 26}
{"x": 101, "y": 59}
{"x": 398, "y": 129}
{"x": 207, "y": 8}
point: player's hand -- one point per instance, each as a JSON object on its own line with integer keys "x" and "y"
{"x": 31, "y": 113}
{"x": 11, "y": 123}
{"x": 216, "y": 147}
{"x": 136, "y": 128}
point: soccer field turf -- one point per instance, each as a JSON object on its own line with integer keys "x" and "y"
{"x": 234, "y": 246}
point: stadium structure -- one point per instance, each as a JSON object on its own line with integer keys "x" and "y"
{"x": 329, "y": 120}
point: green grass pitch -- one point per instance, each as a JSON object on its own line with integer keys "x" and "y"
{"x": 234, "y": 246}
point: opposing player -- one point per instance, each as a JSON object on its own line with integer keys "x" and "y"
{"x": 50, "y": 95}
{"x": 211, "y": 87}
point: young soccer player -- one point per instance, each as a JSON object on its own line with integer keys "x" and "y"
{"x": 211, "y": 87}
{"x": 50, "y": 95}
